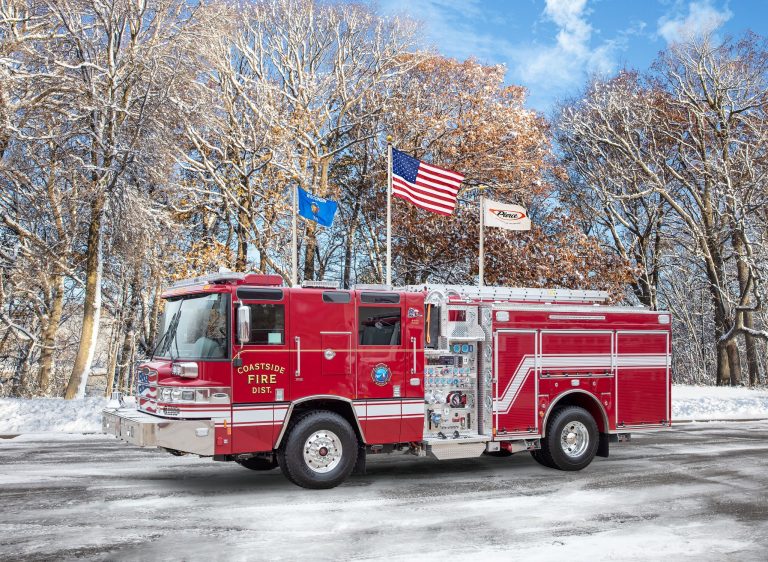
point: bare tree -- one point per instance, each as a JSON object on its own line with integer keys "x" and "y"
{"x": 692, "y": 136}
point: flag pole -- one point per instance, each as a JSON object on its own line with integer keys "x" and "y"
{"x": 389, "y": 210}
{"x": 294, "y": 240}
{"x": 481, "y": 266}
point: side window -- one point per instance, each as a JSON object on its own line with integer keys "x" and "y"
{"x": 340, "y": 297}
{"x": 379, "y": 325}
{"x": 267, "y": 324}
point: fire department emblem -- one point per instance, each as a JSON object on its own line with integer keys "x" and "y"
{"x": 414, "y": 313}
{"x": 381, "y": 374}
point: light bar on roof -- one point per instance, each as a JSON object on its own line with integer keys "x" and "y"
{"x": 210, "y": 278}
{"x": 310, "y": 284}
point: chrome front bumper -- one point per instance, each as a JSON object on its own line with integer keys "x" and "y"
{"x": 145, "y": 430}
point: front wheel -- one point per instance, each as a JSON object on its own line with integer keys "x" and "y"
{"x": 320, "y": 451}
{"x": 571, "y": 441}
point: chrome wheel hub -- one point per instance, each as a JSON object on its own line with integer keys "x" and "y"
{"x": 322, "y": 451}
{"x": 574, "y": 439}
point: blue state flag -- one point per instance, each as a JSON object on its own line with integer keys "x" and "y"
{"x": 316, "y": 208}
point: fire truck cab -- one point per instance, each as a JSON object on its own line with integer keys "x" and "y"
{"x": 314, "y": 378}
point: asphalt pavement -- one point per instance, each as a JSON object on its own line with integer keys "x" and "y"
{"x": 695, "y": 492}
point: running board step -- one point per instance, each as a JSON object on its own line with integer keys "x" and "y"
{"x": 455, "y": 450}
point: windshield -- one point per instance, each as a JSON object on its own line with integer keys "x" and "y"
{"x": 194, "y": 327}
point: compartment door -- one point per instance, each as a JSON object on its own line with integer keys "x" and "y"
{"x": 322, "y": 354}
{"x": 642, "y": 380}
{"x": 515, "y": 381}
{"x": 337, "y": 354}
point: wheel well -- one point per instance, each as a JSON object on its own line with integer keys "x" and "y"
{"x": 341, "y": 407}
{"x": 583, "y": 400}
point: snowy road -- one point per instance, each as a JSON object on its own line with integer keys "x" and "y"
{"x": 698, "y": 492}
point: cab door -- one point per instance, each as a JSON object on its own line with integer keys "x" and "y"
{"x": 381, "y": 363}
{"x": 322, "y": 343}
{"x": 260, "y": 370}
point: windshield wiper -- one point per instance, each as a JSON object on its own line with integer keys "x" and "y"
{"x": 170, "y": 331}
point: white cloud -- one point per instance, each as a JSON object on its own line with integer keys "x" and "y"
{"x": 452, "y": 25}
{"x": 702, "y": 18}
{"x": 573, "y": 54}
{"x": 548, "y": 69}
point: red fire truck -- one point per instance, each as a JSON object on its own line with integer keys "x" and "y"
{"x": 313, "y": 378}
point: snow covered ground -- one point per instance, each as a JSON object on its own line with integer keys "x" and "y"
{"x": 34, "y": 415}
{"x": 697, "y": 492}
{"x": 698, "y": 403}
{"x": 702, "y": 403}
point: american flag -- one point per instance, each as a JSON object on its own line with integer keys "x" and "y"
{"x": 426, "y": 186}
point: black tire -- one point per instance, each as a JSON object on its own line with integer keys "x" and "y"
{"x": 539, "y": 458}
{"x": 557, "y": 452}
{"x": 258, "y": 463}
{"x": 334, "y": 443}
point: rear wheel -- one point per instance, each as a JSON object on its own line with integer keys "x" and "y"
{"x": 571, "y": 441}
{"x": 258, "y": 463}
{"x": 320, "y": 450}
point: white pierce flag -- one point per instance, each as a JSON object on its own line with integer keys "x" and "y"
{"x": 503, "y": 215}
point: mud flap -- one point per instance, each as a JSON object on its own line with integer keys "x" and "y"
{"x": 360, "y": 463}
{"x": 602, "y": 446}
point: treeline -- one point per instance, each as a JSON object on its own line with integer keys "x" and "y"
{"x": 669, "y": 168}
{"x": 142, "y": 142}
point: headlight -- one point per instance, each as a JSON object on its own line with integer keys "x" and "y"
{"x": 176, "y": 395}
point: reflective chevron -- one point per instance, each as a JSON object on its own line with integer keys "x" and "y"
{"x": 551, "y": 361}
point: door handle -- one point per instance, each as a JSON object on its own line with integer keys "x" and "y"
{"x": 413, "y": 350}
{"x": 297, "y": 340}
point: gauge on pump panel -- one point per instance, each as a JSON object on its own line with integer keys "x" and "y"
{"x": 456, "y": 348}
{"x": 465, "y": 348}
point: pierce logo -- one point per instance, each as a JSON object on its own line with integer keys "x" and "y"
{"x": 508, "y": 216}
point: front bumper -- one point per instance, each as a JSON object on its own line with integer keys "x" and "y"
{"x": 145, "y": 430}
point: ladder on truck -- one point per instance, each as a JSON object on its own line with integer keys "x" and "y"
{"x": 517, "y": 294}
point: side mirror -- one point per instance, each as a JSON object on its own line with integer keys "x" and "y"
{"x": 243, "y": 324}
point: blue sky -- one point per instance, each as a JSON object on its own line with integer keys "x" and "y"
{"x": 552, "y": 46}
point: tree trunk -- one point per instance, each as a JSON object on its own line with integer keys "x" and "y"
{"x": 126, "y": 355}
{"x": 92, "y": 305}
{"x": 753, "y": 362}
{"x": 723, "y": 367}
{"x": 130, "y": 373}
{"x": 243, "y": 222}
{"x": 154, "y": 315}
{"x": 349, "y": 243}
{"x": 117, "y": 328}
{"x": 241, "y": 260}
{"x": 310, "y": 242}
{"x": 48, "y": 337}
{"x": 734, "y": 362}
{"x": 20, "y": 380}
{"x": 742, "y": 272}
{"x": 112, "y": 361}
